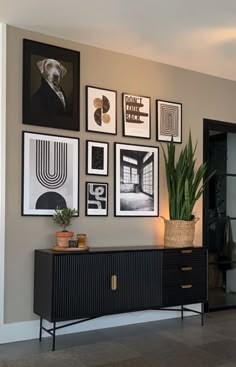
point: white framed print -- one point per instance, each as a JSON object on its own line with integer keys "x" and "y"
{"x": 50, "y": 173}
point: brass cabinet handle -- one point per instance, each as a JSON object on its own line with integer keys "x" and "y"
{"x": 186, "y": 286}
{"x": 186, "y": 251}
{"x": 186, "y": 268}
{"x": 114, "y": 282}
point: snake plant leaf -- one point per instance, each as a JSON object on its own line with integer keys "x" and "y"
{"x": 184, "y": 181}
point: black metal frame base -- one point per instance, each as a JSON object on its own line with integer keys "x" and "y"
{"x": 52, "y": 331}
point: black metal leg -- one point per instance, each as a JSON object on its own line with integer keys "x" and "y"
{"x": 40, "y": 329}
{"x": 54, "y": 337}
{"x": 182, "y": 312}
{"x": 202, "y": 314}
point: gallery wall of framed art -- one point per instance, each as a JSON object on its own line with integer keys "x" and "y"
{"x": 51, "y": 98}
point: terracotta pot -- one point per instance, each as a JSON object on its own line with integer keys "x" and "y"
{"x": 63, "y": 238}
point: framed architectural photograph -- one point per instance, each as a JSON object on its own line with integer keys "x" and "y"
{"x": 136, "y": 116}
{"x": 51, "y": 85}
{"x": 96, "y": 199}
{"x": 49, "y": 174}
{"x": 169, "y": 121}
{"x": 101, "y": 114}
{"x": 136, "y": 180}
{"x": 97, "y": 158}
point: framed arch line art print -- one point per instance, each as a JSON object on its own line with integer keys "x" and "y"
{"x": 50, "y": 171}
{"x": 169, "y": 121}
{"x": 101, "y": 114}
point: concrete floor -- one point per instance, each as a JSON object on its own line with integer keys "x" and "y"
{"x": 168, "y": 343}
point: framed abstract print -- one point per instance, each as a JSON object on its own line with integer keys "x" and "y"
{"x": 96, "y": 199}
{"x": 169, "y": 121}
{"x": 101, "y": 110}
{"x": 97, "y": 158}
{"x": 50, "y": 173}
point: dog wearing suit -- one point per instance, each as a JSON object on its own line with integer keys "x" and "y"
{"x": 49, "y": 101}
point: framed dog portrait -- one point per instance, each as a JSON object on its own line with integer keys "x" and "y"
{"x": 136, "y": 180}
{"x": 169, "y": 121}
{"x": 96, "y": 199}
{"x": 51, "y": 84}
{"x": 96, "y": 158}
{"x": 50, "y": 171}
{"x": 136, "y": 116}
{"x": 101, "y": 114}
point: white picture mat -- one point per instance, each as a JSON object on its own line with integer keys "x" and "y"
{"x": 30, "y": 180}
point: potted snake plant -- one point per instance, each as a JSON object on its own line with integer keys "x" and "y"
{"x": 63, "y": 217}
{"x": 185, "y": 187}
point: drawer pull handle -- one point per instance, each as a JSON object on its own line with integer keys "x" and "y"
{"x": 186, "y": 251}
{"x": 186, "y": 286}
{"x": 114, "y": 282}
{"x": 186, "y": 268}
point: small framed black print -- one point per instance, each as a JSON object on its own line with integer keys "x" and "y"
{"x": 96, "y": 158}
{"x": 96, "y": 199}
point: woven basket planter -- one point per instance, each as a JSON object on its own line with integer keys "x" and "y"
{"x": 179, "y": 233}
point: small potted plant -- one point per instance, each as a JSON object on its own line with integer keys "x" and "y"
{"x": 63, "y": 217}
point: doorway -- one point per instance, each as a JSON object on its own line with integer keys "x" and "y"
{"x": 219, "y": 203}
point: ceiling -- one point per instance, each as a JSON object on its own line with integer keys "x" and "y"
{"x": 197, "y": 35}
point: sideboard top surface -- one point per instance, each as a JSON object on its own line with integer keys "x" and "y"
{"x": 117, "y": 249}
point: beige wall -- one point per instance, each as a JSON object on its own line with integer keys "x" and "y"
{"x": 201, "y": 95}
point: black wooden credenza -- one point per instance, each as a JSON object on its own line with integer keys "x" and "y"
{"x": 104, "y": 281}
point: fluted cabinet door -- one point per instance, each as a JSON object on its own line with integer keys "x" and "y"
{"x": 138, "y": 280}
{"x": 81, "y": 286}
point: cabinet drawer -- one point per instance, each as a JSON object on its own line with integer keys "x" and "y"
{"x": 173, "y": 296}
{"x": 190, "y": 275}
{"x": 173, "y": 259}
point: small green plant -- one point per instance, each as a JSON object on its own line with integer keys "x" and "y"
{"x": 184, "y": 182}
{"x": 63, "y": 217}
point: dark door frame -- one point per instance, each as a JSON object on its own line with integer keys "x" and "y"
{"x": 227, "y": 127}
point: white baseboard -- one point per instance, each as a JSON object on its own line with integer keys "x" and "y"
{"x": 30, "y": 329}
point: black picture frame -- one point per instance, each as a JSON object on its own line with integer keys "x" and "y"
{"x": 51, "y": 86}
{"x": 169, "y": 121}
{"x": 101, "y": 110}
{"x": 44, "y": 187}
{"x": 136, "y": 112}
{"x": 97, "y": 158}
{"x": 136, "y": 189}
{"x": 96, "y": 199}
